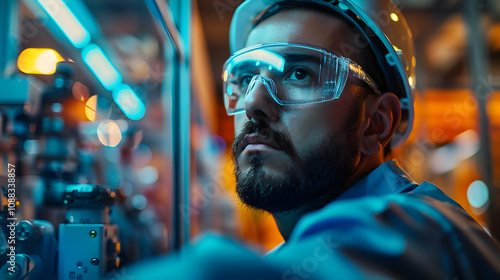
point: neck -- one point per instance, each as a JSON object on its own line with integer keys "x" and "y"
{"x": 286, "y": 221}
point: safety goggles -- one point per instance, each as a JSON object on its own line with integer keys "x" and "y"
{"x": 292, "y": 74}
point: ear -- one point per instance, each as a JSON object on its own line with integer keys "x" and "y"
{"x": 382, "y": 117}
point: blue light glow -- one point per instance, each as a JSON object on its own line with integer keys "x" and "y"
{"x": 67, "y": 22}
{"x": 147, "y": 175}
{"x": 129, "y": 103}
{"x": 102, "y": 68}
{"x": 229, "y": 90}
{"x": 478, "y": 194}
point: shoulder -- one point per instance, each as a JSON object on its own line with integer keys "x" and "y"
{"x": 422, "y": 227}
{"x": 346, "y": 211}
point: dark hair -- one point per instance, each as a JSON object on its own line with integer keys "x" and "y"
{"x": 367, "y": 60}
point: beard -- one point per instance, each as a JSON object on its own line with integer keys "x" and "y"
{"x": 310, "y": 183}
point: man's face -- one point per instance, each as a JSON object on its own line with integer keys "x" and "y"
{"x": 291, "y": 157}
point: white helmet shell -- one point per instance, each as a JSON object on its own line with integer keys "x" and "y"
{"x": 385, "y": 28}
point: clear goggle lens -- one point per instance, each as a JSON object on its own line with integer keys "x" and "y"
{"x": 292, "y": 75}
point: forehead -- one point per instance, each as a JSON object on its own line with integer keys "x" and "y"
{"x": 303, "y": 26}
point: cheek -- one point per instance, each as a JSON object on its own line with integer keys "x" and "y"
{"x": 239, "y": 122}
{"x": 309, "y": 129}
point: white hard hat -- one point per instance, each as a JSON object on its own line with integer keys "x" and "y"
{"x": 385, "y": 28}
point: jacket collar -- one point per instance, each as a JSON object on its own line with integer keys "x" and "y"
{"x": 386, "y": 179}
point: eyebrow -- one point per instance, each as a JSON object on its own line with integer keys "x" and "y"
{"x": 295, "y": 57}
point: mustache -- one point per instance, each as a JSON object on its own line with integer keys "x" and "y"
{"x": 264, "y": 130}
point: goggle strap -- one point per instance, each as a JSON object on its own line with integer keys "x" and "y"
{"x": 358, "y": 72}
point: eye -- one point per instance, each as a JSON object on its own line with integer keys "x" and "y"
{"x": 298, "y": 74}
{"x": 245, "y": 80}
{"x": 299, "y": 77}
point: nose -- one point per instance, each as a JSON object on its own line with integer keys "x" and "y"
{"x": 259, "y": 103}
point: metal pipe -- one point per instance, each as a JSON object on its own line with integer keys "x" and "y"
{"x": 184, "y": 26}
{"x": 9, "y": 17}
{"x": 479, "y": 64}
{"x": 166, "y": 20}
{"x": 180, "y": 102}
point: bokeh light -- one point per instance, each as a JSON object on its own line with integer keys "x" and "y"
{"x": 38, "y": 61}
{"x": 147, "y": 175}
{"x": 91, "y": 108}
{"x": 109, "y": 133}
{"x": 478, "y": 196}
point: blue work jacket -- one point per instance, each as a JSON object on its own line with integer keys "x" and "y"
{"x": 385, "y": 226}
